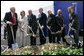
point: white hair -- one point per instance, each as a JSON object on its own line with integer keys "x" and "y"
{"x": 12, "y": 8}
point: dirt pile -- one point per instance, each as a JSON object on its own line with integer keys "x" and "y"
{"x": 36, "y": 50}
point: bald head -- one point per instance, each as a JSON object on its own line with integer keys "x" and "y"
{"x": 49, "y": 12}
{"x": 30, "y": 12}
{"x": 70, "y": 10}
{"x": 12, "y": 9}
{"x": 59, "y": 11}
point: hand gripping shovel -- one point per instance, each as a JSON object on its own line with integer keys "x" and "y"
{"x": 34, "y": 35}
{"x": 54, "y": 32}
{"x": 15, "y": 45}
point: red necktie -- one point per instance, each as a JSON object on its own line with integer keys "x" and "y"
{"x": 14, "y": 19}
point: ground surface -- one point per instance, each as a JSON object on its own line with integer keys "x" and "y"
{"x": 27, "y": 42}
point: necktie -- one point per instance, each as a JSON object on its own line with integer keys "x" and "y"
{"x": 14, "y": 19}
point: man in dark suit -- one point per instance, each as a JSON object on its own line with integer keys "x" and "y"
{"x": 58, "y": 29}
{"x": 51, "y": 26}
{"x": 42, "y": 20}
{"x": 75, "y": 24}
{"x": 33, "y": 26}
{"x": 54, "y": 26}
{"x": 11, "y": 19}
{"x": 62, "y": 23}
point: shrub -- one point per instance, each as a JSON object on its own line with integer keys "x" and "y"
{"x": 64, "y": 51}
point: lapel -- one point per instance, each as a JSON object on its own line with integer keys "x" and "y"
{"x": 41, "y": 14}
{"x": 28, "y": 18}
{"x": 15, "y": 15}
{"x": 72, "y": 15}
{"x": 31, "y": 17}
{"x": 11, "y": 18}
{"x": 11, "y": 15}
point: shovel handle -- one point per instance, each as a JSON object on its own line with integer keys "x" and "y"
{"x": 12, "y": 32}
{"x": 31, "y": 30}
{"x": 40, "y": 28}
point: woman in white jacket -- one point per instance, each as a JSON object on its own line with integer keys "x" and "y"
{"x": 22, "y": 22}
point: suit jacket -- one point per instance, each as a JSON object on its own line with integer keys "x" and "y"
{"x": 42, "y": 19}
{"x": 8, "y": 17}
{"x": 53, "y": 22}
{"x": 76, "y": 23}
{"x": 32, "y": 22}
{"x": 61, "y": 20}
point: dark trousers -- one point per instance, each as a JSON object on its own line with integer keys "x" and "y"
{"x": 33, "y": 39}
{"x": 58, "y": 37}
{"x": 51, "y": 37}
{"x": 10, "y": 37}
{"x": 42, "y": 38}
{"x": 76, "y": 36}
{"x": 63, "y": 35}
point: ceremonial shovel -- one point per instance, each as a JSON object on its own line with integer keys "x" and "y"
{"x": 40, "y": 28}
{"x": 67, "y": 36}
{"x": 54, "y": 32}
{"x": 15, "y": 45}
{"x": 31, "y": 30}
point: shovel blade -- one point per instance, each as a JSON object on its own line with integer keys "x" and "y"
{"x": 14, "y": 46}
{"x": 67, "y": 37}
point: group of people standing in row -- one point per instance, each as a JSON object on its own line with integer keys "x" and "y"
{"x": 55, "y": 23}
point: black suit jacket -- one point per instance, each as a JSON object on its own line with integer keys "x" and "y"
{"x": 8, "y": 17}
{"x": 76, "y": 23}
{"x": 32, "y": 22}
{"x": 61, "y": 20}
{"x": 54, "y": 23}
{"x": 42, "y": 19}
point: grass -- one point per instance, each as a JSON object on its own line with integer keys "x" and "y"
{"x": 59, "y": 51}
